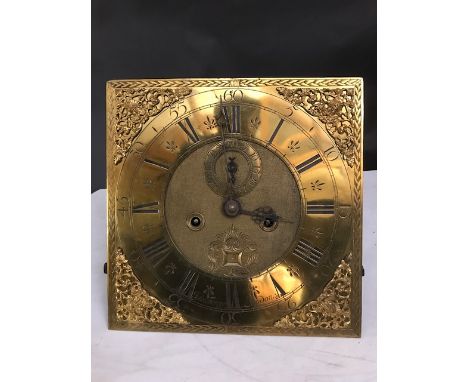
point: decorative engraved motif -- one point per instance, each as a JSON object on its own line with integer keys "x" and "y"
{"x": 133, "y": 108}
{"x": 239, "y": 82}
{"x": 171, "y": 146}
{"x": 316, "y": 185}
{"x": 255, "y": 123}
{"x": 317, "y": 232}
{"x": 209, "y": 292}
{"x": 210, "y": 123}
{"x": 294, "y": 146}
{"x": 149, "y": 182}
{"x": 293, "y": 271}
{"x": 356, "y": 286}
{"x": 148, "y": 227}
{"x": 133, "y": 303}
{"x": 335, "y": 108}
{"x": 170, "y": 269}
{"x": 331, "y": 310}
{"x": 254, "y": 290}
{"x": 232, "y": 252}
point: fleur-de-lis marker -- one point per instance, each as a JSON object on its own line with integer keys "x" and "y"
{"x": 318, "y": 233}
{"x": 210, "y": 123}
{"x": 171, "y": 146}
{"x": 254, "y": 290}
{"x": 254, "y": 123}
{"x": 294, "y": 146}
{"x": 148, "y": 227}
{"x": 316, "y": 185}
{"x": 170, "y": 269}
{"x": 293, "y": 272}
{"x": 209, "y": 292}
{"x": 149, "y": 182}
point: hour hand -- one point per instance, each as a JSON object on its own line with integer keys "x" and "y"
{"x": 232, "y": 169}
{"x": 265, "y": 215}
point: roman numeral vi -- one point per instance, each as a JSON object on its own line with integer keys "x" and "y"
{"x": 307, "y": 252}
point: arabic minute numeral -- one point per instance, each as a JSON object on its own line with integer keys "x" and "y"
{"x": 331, "y": 153}
{"x": 233, "y": 95}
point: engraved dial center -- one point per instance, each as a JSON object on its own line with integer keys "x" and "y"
{"x": 237, "y": 238}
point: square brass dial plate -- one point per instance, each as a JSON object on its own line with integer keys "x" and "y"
{"x": 235, "y": 205}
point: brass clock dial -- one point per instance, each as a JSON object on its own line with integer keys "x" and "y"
{"x": 233, "y": 206}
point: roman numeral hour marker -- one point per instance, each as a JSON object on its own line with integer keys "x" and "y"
{"x": 307, "y": 252}
{"x": 186, "y": 125}
{"x": 320, "y": 208}
{"x": 309, "y": 163}
{"x": 147, "y": 208}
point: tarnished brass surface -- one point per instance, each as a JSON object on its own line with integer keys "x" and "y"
{"x": 234, "y": 205}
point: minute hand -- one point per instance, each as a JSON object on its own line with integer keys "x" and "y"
{"x": 229, "y": 176}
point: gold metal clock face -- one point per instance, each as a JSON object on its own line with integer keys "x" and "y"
{"x": 230, "y": 206}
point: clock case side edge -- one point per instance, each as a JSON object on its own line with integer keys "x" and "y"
{"x": 111, "y": 171}
{"x": 356, "y": 262}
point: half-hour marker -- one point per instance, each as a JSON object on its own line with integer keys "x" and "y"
{"x": 281, "y": 292}
{"x": 162, "y": 165}
{"x": 235, "y": 120}
{"x": 147, "y": 208}
{"x": 276, "y": 131}
{"x": 307, "y": 252}
{"x": 232, "y": 295}
{"x": 187, "y": 287}
{"x": 156, "y": 252}
{"x": 326, "y": 208}
{"x": 311, "y": 162}
{"x": 189, "y": 130}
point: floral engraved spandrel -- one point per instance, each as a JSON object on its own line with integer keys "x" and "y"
{"x": 255, "y": 123}
{"x": 171, "y": 146}
{"x": 132, "y": 302}
{"x": 317, "y": 185}
{"x": 331, "y": 310}
{"x": 210, "y": 123}
{"x": 133, "y": 107}
{"x": 335, "y": 108}
{"x": 293, "y": 146}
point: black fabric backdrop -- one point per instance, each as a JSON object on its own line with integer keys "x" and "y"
{"x": 167, "y": 39}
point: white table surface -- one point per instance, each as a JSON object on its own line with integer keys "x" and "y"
{"x": 140, "y": 356}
